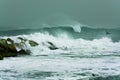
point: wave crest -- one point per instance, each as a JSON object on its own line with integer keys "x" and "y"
{"x": 103, "y": 46}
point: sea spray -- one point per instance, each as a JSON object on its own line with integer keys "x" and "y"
{"x": 74, "y": 59}
{"x": 103, "y": 46}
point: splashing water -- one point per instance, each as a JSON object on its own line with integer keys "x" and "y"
{"x": 75, "y": 59}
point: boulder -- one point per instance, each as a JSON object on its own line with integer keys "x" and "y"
{"x": 33, "y": 43}
{"x": 10, "y": 41}
{"x": 11, "y": 45}
{"x": 7, "y": 48}
{"x": 22, "y": 39}
{"x": 8, "y": 54}
{"x": 23, "y": 52}
{"x": 52, "y": 46}
{"x": 7, "y": 45}
{"x": 3, "y": 44}
{"x": 1, "y": 57}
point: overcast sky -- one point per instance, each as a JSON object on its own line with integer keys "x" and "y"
{"x": 33, "y": 12}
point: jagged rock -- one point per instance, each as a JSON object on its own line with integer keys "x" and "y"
{"x": 10, "y": 41}
{"x": 11, "y": 45}
{"x": 3, "y": 44}
{"x": 22, "y": 39}
{"x": 33, "y": 43}
{"x": 1, "y": 57}
{"x": 7, "y": 54}
{"x": 7, "y": 45}
{"x": 23, "y": 52}
{"x": 8, "y": 48}
{"x": 52, "y": 46}
{"x": 20, "y": 46}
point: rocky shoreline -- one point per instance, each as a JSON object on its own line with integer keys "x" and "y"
{"x": 9, "y": 48}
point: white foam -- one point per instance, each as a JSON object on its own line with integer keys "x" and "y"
{"x": 65, "y": 67}
{"x": 102, "y": 46}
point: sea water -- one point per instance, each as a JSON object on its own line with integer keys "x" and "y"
{"x": 76, "y": 59}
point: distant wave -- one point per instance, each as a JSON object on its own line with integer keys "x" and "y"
{"x": 65, "y": 44}
{"x": 86, "y": 33}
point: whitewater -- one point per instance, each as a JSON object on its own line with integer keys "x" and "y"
{"x": 76, "y": 59}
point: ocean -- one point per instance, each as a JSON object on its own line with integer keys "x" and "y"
{"x": 92, "y": 54}
{"x": 85, "y": 34}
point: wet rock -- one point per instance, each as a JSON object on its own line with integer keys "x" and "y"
{"x": 8, "y": 54}
{"x": 23, "y": 52}
{"x": 33, "y": 43}
{"x": 52, "y": 46}
{"x": 11, "y": 45}
{"x": 1, "y": 57}
{"x": 10, "y": 41}
{"x": 7, "y": 48}
{"x": 7, "y": 45}
{"x": 22, "y": 39}
{"x": 3, "y": 44}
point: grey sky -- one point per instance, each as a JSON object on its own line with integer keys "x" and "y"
{"x": 16, "y": 13}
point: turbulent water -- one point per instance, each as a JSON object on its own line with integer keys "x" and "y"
{"x": 86, "y": 33}
{"x": 92, "y": 54}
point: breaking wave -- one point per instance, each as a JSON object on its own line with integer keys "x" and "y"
{"x": 65, "y": 31}
{"x": 82, "y": 53}
{"x": 74, "y": 59}
{"x": 68, "y": 45}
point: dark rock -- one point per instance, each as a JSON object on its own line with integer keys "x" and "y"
{"x": 8, "y": 54}
{"x": 11, "y": 48}
{"x": 7, "y": 48}
{"x": 3, "y": 44}
{"x": 7, "y": 45}
{"x": 52, "y": 46}
{"x": 10, "y": 40}
{"x": 22, "y": 39}
{"x": 11, "y": 45}
{"x": 33, "y": 43}
{"x": 1, "y": 57}
{"x": 23, "y": 52}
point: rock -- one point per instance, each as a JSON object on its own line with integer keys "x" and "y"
{"x": 3, "y": 44}
{"x": 10, "y": 41}
{"x": 8, "y": 54}
{"x": 7, "y": 45}
{"x": 7, "y": 48}
{"x": 22, "y": 39}
{"x": 11, "y": 48}
{"x": 33, "y": 43}
{"x": 23, "y": 52}
{"x": 52, "y": 46}
{"x": 1, "y": 57}
{"x": 11, "y": 45}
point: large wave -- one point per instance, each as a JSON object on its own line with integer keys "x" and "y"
{"x": 66, "y": 31}
{"x": 66, "y": 44}
{"x": 75, "y": 58}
